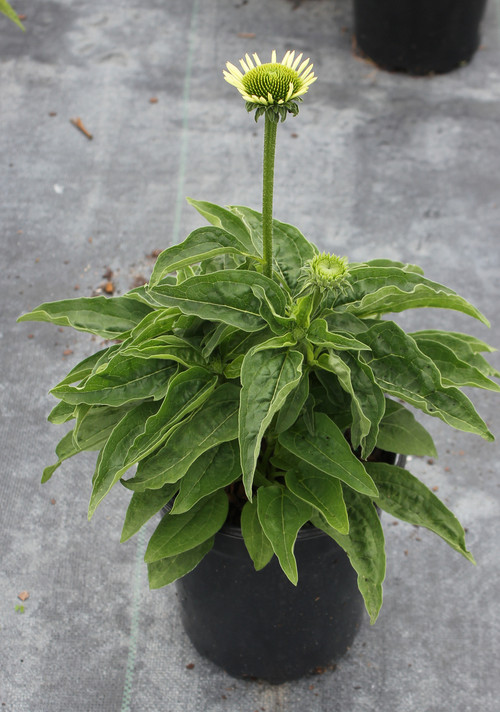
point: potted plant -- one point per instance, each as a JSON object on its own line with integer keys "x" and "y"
{"x": 418, "y": 36}
{"x": 260, "y": 389}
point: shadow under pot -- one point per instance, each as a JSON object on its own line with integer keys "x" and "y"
{"x": 257, "y": 624}
{"x": 418, "y": 37}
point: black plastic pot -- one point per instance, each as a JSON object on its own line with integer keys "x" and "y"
{"x": 418, "y": 36}
{"x": 257, "y": 624}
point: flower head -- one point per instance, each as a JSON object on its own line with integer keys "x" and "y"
{"x": 275, "y": 87}
{"x": 326, "y": 272}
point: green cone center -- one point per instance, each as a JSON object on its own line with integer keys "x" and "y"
{"x": 271, "y": 78}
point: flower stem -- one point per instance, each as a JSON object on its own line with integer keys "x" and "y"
{"x": 267, "y": 193}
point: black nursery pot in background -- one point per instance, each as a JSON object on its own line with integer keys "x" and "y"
{"x": 258, "y": 624}
{"x": 418, "y": 36}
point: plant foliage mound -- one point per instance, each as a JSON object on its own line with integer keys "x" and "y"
{"x": 283, "y": 389}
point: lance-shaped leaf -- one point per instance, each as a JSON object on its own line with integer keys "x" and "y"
{"x": 169, "y": 348}
{"x": 111, "y": 318}
{"x": 322, "y": 491}
{"x": 367, "y": 399}
{"x": 379, "y": 290}
{"x": 278, "y": 324}
{"x": 215, "y": 423}
{"x": 399, "y": 432}
{"x": 203, "y": 243}
{"x": 257, "y": 544}
{"x": 365, "y": 547}
{"x": 212, "y": 471}
{"x": 227, "y": 220}
{"x": 293, "y": 405}
{"x": 84, "y": 368}
{"x": 61, "y": 413}
{"x": 176, "y": 534}
{"x": 123, "y": 379}
{"x": 461, "y": 344}
{"x": 318, "y": 334}
{"x": 225, "y": 296}
{"x": 267, "y": 377}
{"x": 95, "y": 423}
{"x": 281, "y": 515}
{"x": 454, "y": 371}
{"x": 168, "y": 570}
{"x": 328, "y": 451}
{"x": 143, "y": 506}
{"x": 344, "y": 322}
{"x": 403, "y": 371}
{"x": 187, "y": 391}
{"x": 156, "y": 323}
{"x": 405, "y": 497}
{"x": 381, "y": 262}
{"x": 114, "y": 460}
{"x": 291, "y": 250}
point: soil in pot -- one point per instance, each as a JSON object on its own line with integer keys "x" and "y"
{"x": 418, "y": 36}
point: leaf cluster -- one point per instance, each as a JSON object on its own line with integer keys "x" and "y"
{"x": 225, "y": 380}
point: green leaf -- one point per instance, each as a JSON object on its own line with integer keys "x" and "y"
{"x": 168, "y": 570}
{"x": 402, "y": 495}
{"x": 290, "y": 248}
{"x": 227, "y": 220}
{"x": 267, "y": 377}
{"x": 399, "y": 432}
{"x": 215, "y": 423}
{"x": 322, "y": 491}
{"x": 167, "y": 347}
{"x": 203, "y": 243}
{"x": 187, "y": 391}
{"x": 467, "y": 348}
{"x": 94, "y": 424}
{"x": 329, "y": 452}
{"x": 85, "y": 367}
{"x": 278, "y": 324}
{"x": 257, "y": 544}
{"x": 405, "y": 266}
{"x": 318, "y": 334}
{"x": 453, "y": 370}
{"x": 143, "y": 506}
{"x": 281, "y": 515}
{"x": 178, "y": 533}
{"x": 213, "y": 470}
{"x": 344, "y": 323}
{"x": 61, "y": 413}
{"x": 367, "y": 399}
{"x": 403, "y": 371}
{"x": 293, "y": 405}
{"x": 114, "y": 460}
{"x": 7, "y": 10}
{"x": 365, "y": 547}
{"x": 379, "y": 290}
{"x": 222, "y": 296}
{"x": 156, "y": 323}
{"x": 123, "y": 379}
{"x": 109, "y": 317}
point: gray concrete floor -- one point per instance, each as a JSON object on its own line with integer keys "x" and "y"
{"x": 376, "y": 164}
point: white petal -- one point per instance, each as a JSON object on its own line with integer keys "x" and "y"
{"x": 289, "y": 92}
{"x": 296, "y": 63}
{"x": 249, "y": 61}
{"x": 244, "y": 66}
{"x": 273, "y": 57}
{"x": 284, "y": 61}
{"x": 307, "y": 72}
{"x": 303, "y": 66}
{"x": 256, "y": 59}
{"x": 270, "y": 99}
{"x": 234, "y": 70}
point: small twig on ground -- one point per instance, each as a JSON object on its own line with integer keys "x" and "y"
{"x": 79, "y": 125}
